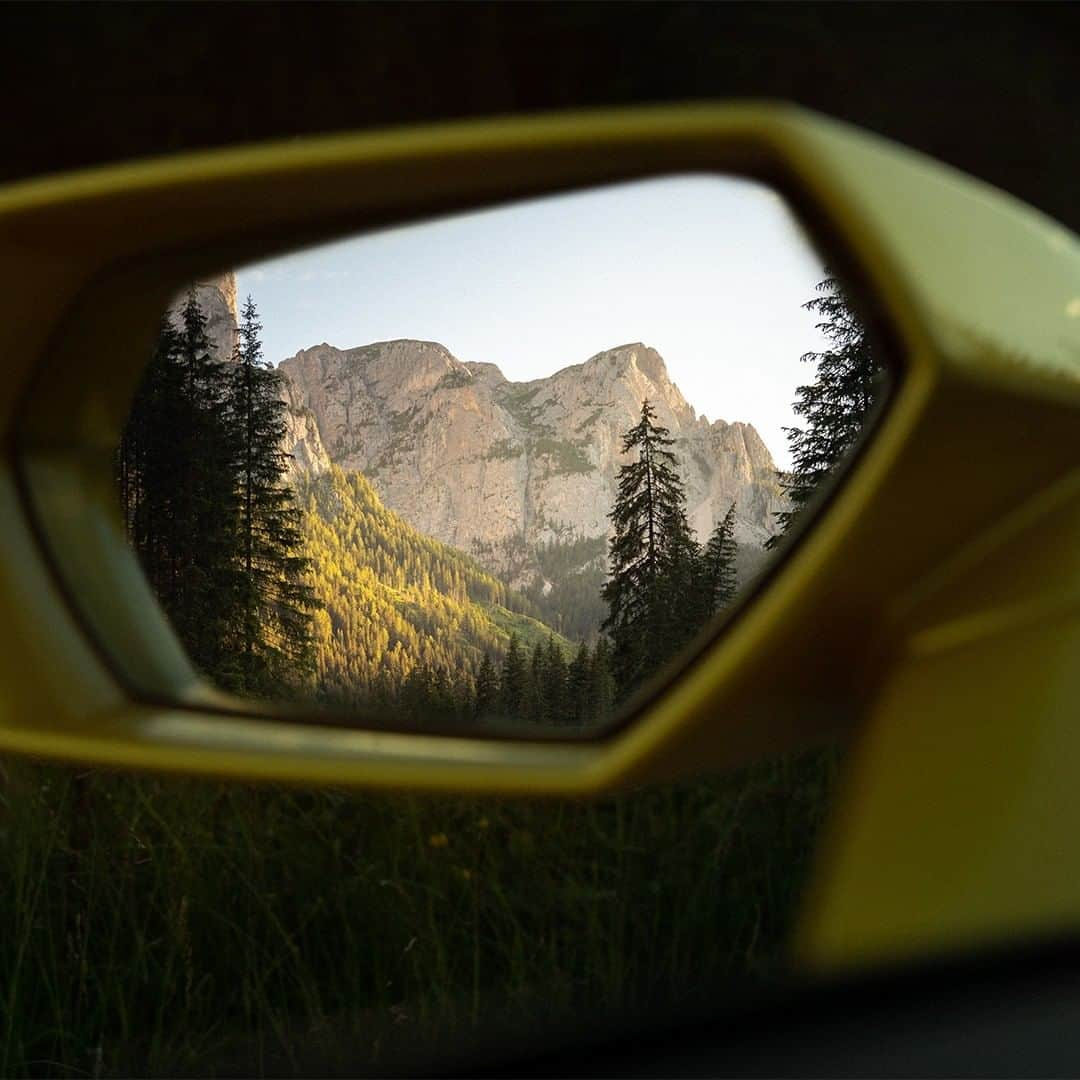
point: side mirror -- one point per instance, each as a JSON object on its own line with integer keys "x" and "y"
{"x": 944, "y": 532}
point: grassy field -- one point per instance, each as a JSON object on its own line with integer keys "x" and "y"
{"x": 157, "y": 926}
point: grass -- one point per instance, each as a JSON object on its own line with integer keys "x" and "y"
{"x": 531, "y": 631}
{"x": 159, "y": 926}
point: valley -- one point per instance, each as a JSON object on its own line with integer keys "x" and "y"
{"x": 446, "y": 511}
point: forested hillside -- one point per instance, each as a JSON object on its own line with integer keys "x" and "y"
{"x": 394, "y": 601}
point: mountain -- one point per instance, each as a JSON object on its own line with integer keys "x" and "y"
{"x": 500, "y": 468}
{"x": 521, "y": 476}
{"x": 395, "y": 599}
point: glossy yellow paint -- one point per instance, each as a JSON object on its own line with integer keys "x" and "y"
{"x": 931, "y": 607}
{"x": 959, "y": 821}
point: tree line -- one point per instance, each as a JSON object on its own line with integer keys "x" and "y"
{"x": 546, "y": 685}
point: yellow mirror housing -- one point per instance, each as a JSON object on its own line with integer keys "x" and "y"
{"x": 931, "y": 609}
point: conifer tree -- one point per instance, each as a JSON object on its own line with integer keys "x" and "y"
{"x": 835, "y": 406}
{"x": 537, "y": 685}
{"x": 426, "y": 697}
{"x": 176, "y": 486}
{"x": 577, "y": 687}
{"x": 719, "y": 563}
{"x": 487, "y": 687}
{"x": 685, "y": 602}
{"x": 601, "y": 684}
{"x": 514, "y": 684}
{"x": 205, "y": 539}
{"x": 275, "y": 600}
{"x": 653, "y": 557}
{"x": 553, "y": 693}
{"x": 200, "y": 470}
{"x": 146, "y": 502}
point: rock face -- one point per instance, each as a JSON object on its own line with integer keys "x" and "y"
{"x": 217, "y": 298}
{"x": 480, "y": 462}
{"x": 302, "y": 439}
{"x": 492, "y": 466}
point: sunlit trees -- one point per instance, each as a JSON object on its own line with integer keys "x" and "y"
{"x": 397, "y": 600}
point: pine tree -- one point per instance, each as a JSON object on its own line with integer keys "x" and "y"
{"x": 275, "y": 600}
{"x": 601, "y": 695}
{"x": 653, "y": 557}
{"x": 835, "y": 406}
{"x": 514, "y": 684}
{"x": 685, "y": 602}
{"x": 146, "y": 503}
{"x": 719, "y": 563}
{"x": 200, "y": 472}
{"x": 554, "y": 704}
{"x": 537, "y": 685}
{"x": 577, "y": 688}
{"x": 487, "y": 688}
{"x": 207, "y": 543}
{"x": 176, "y": 487}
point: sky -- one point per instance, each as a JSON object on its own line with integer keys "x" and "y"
{"x": 710, "y": 271}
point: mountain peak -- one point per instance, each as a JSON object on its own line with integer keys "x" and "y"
{"x": 633, "y": 352}
{"x": 633, "y": 356}
{"x": 402, "y": 348}
{"x": 470, "y": 457}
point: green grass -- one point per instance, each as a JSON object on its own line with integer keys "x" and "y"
{"x": 531, "y": 631}
{"x": 155, "y": 926}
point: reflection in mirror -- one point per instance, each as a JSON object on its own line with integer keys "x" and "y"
{"x": 495, "y": 470}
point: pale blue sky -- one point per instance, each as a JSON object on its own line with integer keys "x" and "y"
{"x": 710, "y": 271}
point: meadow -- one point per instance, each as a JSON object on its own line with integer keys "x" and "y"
{"x": 154, "y": 926}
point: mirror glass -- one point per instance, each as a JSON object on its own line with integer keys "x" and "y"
{"x": 496, "y": 471}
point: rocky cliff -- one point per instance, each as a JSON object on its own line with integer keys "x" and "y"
{"x": 480, "y": 462}
{"x": 217, "y": 298}
{"x": 496, "y": 467}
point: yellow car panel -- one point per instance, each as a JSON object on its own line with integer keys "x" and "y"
{"x": 931, "y": 608}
